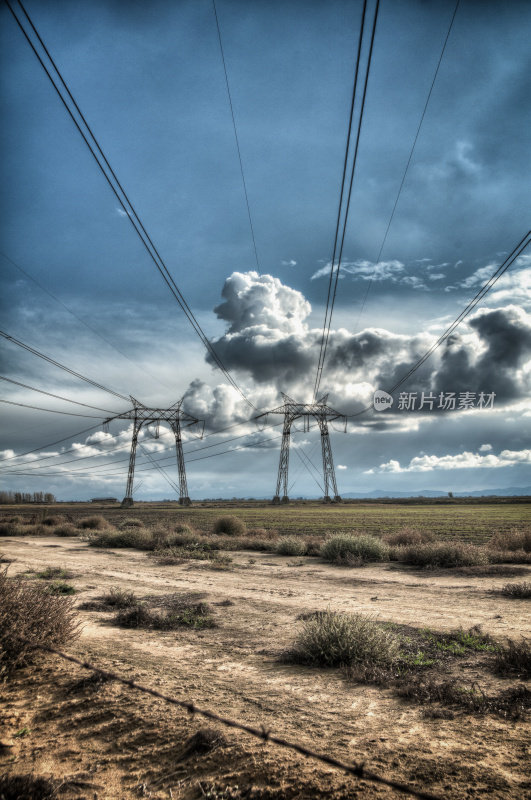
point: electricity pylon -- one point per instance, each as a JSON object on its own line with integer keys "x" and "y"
{"x": 175, "y": 417}
{"x": 322, "y": 413}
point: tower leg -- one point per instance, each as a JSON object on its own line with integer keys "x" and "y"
{"x": 127, "y": 502}
{"x": 184, "y": 499}
{"x": 329, "y": 475}
{"x": 283, "y": 465}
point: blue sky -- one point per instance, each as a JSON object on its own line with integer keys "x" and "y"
{"x": 149, "y": 79}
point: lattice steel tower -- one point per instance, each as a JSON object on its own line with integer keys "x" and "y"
{"x": 322, "y": 413}
{"x": 175, "y": 417}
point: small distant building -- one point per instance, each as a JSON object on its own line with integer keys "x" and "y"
{"x": 104, "y": 500}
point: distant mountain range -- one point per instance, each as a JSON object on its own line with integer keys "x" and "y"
{"x": 511, "y": 491}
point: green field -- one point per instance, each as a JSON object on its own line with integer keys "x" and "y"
{"x": 472, "y": 522}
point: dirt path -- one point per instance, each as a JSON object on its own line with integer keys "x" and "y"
{"x": 234, "y": 669}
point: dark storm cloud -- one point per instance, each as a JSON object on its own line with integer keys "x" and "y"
{"x": 269, "y": 339}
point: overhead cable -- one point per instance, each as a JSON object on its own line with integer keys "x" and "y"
{"x": 55, "y": 363}
{"x": 378, "y": 257}
{"x": 236, "y": 135}
{"x": 337, "y": 268}
{"x": 119, "y": 192}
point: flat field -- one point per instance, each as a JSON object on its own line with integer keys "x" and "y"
{"x": 105, "y": 741}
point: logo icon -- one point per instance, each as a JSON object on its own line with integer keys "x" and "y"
{"x": 381, "y": 400}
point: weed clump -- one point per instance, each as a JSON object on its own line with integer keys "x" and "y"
{"x": 52, "y": 521}
{"x": 29, "y": 612}
{"x": 521, "y": 591}
{"x": 177, "y": 612}
{"x": 131, "y": 522}
{"x": 231, "y": 526}
{"x": 134, "y": 537}
{"x": 345, "y": 548}
{"x": 60, "y": 588}
{"x": 54, "y": 573}
{"x": 332, "y": 640}
{"x": 512, "y": 540}
{"x": 442, "y": 555}
{"x": 408, "y": 536}
{"x": 514, "y": 659}
{"x": 290, "y": 546}
{"x": 65, "y": 530}
{"x": 94, "y": 523}
{"x": 511, "y": 703}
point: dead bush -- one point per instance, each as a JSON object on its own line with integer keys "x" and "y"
{"x": 65, "y": 530}
{"x": 52, "y": 520}
{"x": 231, "y": 526}
{"x": 131, "y": 522}
{"x": 407, "y": 535}
{"x": 353, "y": 549}
{"x": 112, "y": 600}
{"x": 509, "y": 556}
{"x": 29, "y": 612}
{"x": 514, "y": 659}
{"x": 54, "y": 573}
{"x": 178, "y": 611}
{"x": 513, "y": 539}
{"x": 137, "y": 538}
{"x": 521, "y": 591}
{"x": 511, "y": 703}
{"x": 94, "y": 523}
{"x": 442, "y": 555}
{"x": 291, "y": 546}
{"x": 332, "y": 640}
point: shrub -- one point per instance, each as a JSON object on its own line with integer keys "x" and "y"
{"x": 131, "y": 522}
{"x": 345, "y": 548}
{"x": 232, "y": 526}
{"x": 514, "y": 658}
{"x": 329, "y": 639}
{"x": 291, "y": 546}
{"x": 513, "y": 539}
{"x": 94, "y": 523}
{"x": 409, "y": 536}
{"x": 509, "y": 556}
{"x": 28, "y": 611}
{"x": 442, "y": 554}
{"x": 65, "y": 530}
{"x": 519, "y": 590}
{"x": 54, "y": 573}
{"x": 49, "y": 521}
{"x": 138, "y": 538}
{"x": 60, "y": 587}
{"x": 179, "y": 611}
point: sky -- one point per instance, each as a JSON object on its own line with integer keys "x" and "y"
{"x": 79, "y": 287}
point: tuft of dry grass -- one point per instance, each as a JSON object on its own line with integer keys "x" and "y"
{"x": 511, "y": 703}
{"x": 177, "y": 612}
{"x": 514, "y": 659}
{"x": 230, "y": 526}
{"x": 67, "y": 529}
{"x": 28, "y": 611}
{"x": 520, "y": 591}
{"x": 442, "y": 555}
{"x": 512, "y": 540}
{"x": 353, "y": 550}
{"x": 93, "y": 523}
{"x": 407, "y": 536}
{"x": 332, "y": 640}
{"x": 291, "y": 546}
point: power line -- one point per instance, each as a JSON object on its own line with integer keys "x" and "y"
{"x": 236, "y": 135}
{"x": 353, "y": 170}
{"x": 80, "y": 319}
{"x": 49, "y": 410}
{"x": 121, "y": 195}
{"x": 496, "y": 275}
{"x": 364, "y": 301}
{"x": 339, "y": 211}
{"x": 57, "y": 396}
{"x": 55, "y": 363}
